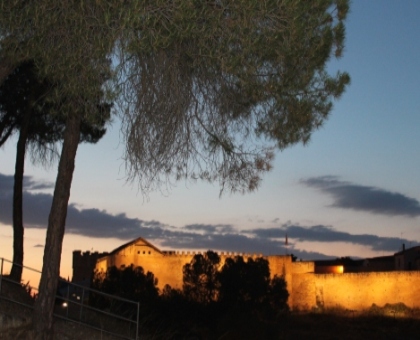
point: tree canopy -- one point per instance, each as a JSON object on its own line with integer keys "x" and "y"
{"x": 244, "y": 282}
{"x": 200, "y": 278}
{"x": 238, "y": 283}
{"x": 23, "y": 91}
{"x": 205, "y": 89}
{"x": 219, "y": 84}
{"x": 25, "y": 108}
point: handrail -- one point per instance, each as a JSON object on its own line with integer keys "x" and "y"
{"x": 78, "y": 302}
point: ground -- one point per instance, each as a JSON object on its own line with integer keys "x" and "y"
{"x": 318, "y": 325}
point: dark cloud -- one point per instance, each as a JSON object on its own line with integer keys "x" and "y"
{"x": 365, "y": 198}
{"x": 97, "y": 223}
{"x": 209, "y": 228}
{"x": 321, "y": 233}
{"x": 87, "y": 222}
{"x": 38, "y": 246}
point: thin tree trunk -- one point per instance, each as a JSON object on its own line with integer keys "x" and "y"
{"x": 44, "y": 304}
{"x": 18, "y": 231}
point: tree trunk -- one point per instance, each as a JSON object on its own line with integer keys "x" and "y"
{"x": 16, "y": 272}
{"x": 44, "y": 304}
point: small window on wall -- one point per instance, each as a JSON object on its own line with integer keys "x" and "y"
{"x": 138, "y": 252}
{"x": 144, "y": 252}
{"x": 149, "y": 252}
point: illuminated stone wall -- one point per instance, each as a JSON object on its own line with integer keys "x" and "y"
{"x": 167, "y": 265}
{"x": 356, "y": 291}
{"x": 302, "y": 293}
{"x": 297, "y": 270}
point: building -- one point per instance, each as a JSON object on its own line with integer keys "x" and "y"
{"x": 167, "y": 265}
{"x": 84, "y": 266}
{"x": 343, "y": 283}
{"x": 349, "y": 265}
{"x": 408, "y": 259}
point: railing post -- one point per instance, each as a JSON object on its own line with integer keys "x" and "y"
{"x": 137, "y": 324}
{"x": 1, "y": 273}
{"x": 68, "y": 301}
{"x": 81, "y": 305}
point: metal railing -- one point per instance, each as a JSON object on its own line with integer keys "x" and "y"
{"x": 106, "y": 313}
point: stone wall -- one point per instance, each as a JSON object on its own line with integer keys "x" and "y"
{"x": 84, "y": 265}
{"x": 356, "y": 291}
{"x": 167, "y": 266}
{"x": 307, "y": 290}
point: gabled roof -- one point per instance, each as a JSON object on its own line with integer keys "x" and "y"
{"x": 408, "y": 250}
{"x": 388, "y": 258}
{"x": 147, "y": 243}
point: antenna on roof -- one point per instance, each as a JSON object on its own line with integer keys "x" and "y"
{"x": 402, "y": 244}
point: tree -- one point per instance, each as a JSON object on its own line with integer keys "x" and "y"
{"x": 130, "y": 283}
{"x": 244, "y": 283}
{"x": 200, "y": 283}
{"x": 277, "y": 294}
{"x": 207, "y": 89}
{"x": 24, "y": 107}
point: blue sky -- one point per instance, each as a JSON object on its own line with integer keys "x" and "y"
{"x": 352, "y": 191}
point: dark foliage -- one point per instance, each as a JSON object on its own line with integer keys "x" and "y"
{"x": 26, "y": 108}
{"x": 238, "y": 284}
{"x": 130, "y": 283}
{"x": 24, "y": 90}
{"x": 240, "y": 291}
{"x": 244, "y": 283}
{"x": 200, "y": 278}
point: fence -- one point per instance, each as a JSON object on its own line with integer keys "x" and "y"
{"x": 79, "y": 304}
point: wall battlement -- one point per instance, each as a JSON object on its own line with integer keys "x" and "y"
{"x": 222, "y": 253}
{"x": 84, "y": 264}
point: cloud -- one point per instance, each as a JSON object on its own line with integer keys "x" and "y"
{"x": 208, "y": 228}
{"x": 365, "y": 198}
{"x": 38, "y": 246}
{"x": 98, "y": 223}
{"x": 327, "y": 234}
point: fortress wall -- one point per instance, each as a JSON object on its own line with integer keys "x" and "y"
{"x": 282, "y": 266}
{"x": 167, "y": 267}
{"x": 303, "y": 267}
{"x": 302, "y": 292}
{"x": 360, "y": 290}
{"x": 279, "y": 265}
{"x": 168, "y": 270}
{"x": 356, "y": 291}
{"x": 296, "y": 269}
{"x": 83, "y": 266}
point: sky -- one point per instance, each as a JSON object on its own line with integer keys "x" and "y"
{"x": 352, "y": 191}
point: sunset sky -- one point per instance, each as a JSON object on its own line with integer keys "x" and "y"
{"x": 354, "y": 190}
